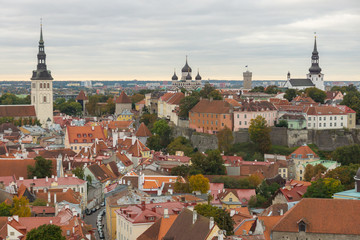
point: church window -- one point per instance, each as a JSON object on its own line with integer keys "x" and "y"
{"x": 44, "y": 98}
{"x": 33, "y": 85}
{"x": 48, "y": 85}
{"x": 40, "y": 85}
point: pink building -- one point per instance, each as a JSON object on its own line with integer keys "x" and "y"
{"x": 250, "y": 110}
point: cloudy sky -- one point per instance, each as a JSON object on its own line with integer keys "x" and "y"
{"x": 147, "y": 39}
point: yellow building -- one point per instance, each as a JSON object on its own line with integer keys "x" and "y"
{"x": 126, "y": 115}
{"x": 235, "y": 198}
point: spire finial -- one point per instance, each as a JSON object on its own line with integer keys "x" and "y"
{"x": 41, "y": 34}
{"x": 186, "y": 58}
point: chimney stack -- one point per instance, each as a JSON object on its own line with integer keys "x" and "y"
{"x": 194, "y": 216}
{"x": 211, "y": 225}
{"x": 54, "y": 198}
{"x": 166, "y": 213}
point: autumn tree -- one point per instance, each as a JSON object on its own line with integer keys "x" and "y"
{"x": 199, "y": 183}
{"x": 259, "y": 133}
{"x": 43, "y": 168}
{"x": 20, "y": 207}
{"x": 323, "y": 188}
{"x": 180, "y": 144}
{"x": 137, "y": 97}
{"x": 313, "y": 171}
{"x": 221, "y": 217}
{"x": 79, "y": 172}
{"x": 225, "y": 140}
{"x": 345, "y": 174}
{"x": 186, "y": 104}
{"x": 45, "y": 232}
{"x": 5, "y": 209}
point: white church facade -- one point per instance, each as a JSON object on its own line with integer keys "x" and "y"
{"x": 313, "y": 79}
{"x": 186, "y": 80}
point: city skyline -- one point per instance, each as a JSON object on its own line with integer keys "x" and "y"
{"x": 147, "y": 40}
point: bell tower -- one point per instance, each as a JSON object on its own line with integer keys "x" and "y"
{"x": 315, "y": 74}
{"x": 41, "y": 86}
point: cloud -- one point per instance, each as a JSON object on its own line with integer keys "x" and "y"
{"x": 145, "y": 39}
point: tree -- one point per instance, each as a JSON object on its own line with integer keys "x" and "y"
{"x": 180, "y": 144}
{"x": 221, "y": 217}
{"x": 39, "y": 202}
{"x": 148, "y": 119}
{"x": 199, "y": 183}
{"x": 43, "y": 168}
{"x": 230, "y": 182}
{"x": 345, "y": 174}
{"x": 290, "y": 94}
{"x": 316, "y": 94}
{"x": 313, "y": 171}
{"x": 254, "y": 180}
{"x": 5, "y": 209}
{"x": 79, "y": 172}
{"x": 323, "y": 188}
{"x": 45, "y": 232}
{"x": 282, "y": 123}
{"x": 137, "y": 97}
{"x": 344, "y": 89}
{"x": 154, "y": 143}
{"x": 215, "y": 95}
{"x": 271, "y": 90}
{"x": 352, "y": 100}
{"x": 186, "y": 104}
{"x": 225, "y": 140}
{"x": 259, "y": 133}
{"x": 258, "y": 89}
{"x": 347, "y": 154}
{"x": 20, "y": 207}
{"x": 212, "y": 164}
{"x": 162, "y": 129}
{"x": 207, "y": 89}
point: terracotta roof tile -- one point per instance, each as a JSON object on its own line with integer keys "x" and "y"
{"x": 143, "y": 131}
{"x": 269, "y": 222}
{"x": 324, "y": 110}
{"x": 85, "y": 134}
{"x": 303, "y": 151}
{"x": 214, "y": 106}
{"x": 17, "y": 111}
{"x": 341, "y": 216}
{"x": 123, "y": 98}
{"x": 81, "y": 96}
{"x": 18, "y": 167}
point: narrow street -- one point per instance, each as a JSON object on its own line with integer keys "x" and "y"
{"x": 92, "y": 219}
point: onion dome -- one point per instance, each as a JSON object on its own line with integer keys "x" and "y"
{"x": 315, "y": 69}
{"x": 198, "y": 77}
{"x": 186, "y": 68}
{"x": 174, "y": 77}
{"x": 188, "y": 77}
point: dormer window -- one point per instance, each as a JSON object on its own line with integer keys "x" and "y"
{"x": 302, "y": 226}
{"x": 84, "y": 135}
{"x": 79, "y": 135}
{"x": 293, "y": 155}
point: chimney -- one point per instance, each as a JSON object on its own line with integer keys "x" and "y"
{"x": 35, "y": 177}
{"x": 143, "y": 205}
{"x": 221, "y": 234}
{"x": 49, "y": 197}
{"x": 281, "y": 212}
{"x": 92, "y": 128}
{"x": 56, "y": 179}
{"x": 211, "y": 225}
{"x": 50, "y": 221}
{"x": 194, "y": 216}
{"x": 16, "y": 217}
{"x": 54, "y": 198}
{"x": 166, "y": 213}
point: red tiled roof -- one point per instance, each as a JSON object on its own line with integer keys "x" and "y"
{"x": 81, "y": 96}
{"x": 123, "y": 98}
{"x": 326, "y": 216}
{"x": 17, "y": 111}
{"x": 85, "y": 134}
{"x": 303, "y": 99}
{"x": 324, "y": 110}
{"x": 303, "y": 151}
{"x": 233, "y": 102}
{"x": 18, "y": 167}
{"x": 345, "y": 108}
{"x": 294, "y": 194}
{"x": 143, "y": 131}
{"x": 269, "y": 222}
{"x": 214, "y": 106}
{"x": 176, "y": 98}
{"x": 124, "y": 159}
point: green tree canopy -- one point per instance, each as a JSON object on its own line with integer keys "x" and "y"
{"x": 323, "y": 188}
{"x": 272, "y": 90}
{"x": 212, "y": 164}
{"x": 186, "y": 104}
{"x": 347, "y": 154}
{"x": 180, "y": 144}
{"x": 345, "y": 174}
{"x": 313, "y": 171}
{"x": 290, "y": 94}
{"x": 20, "y": 207}
{"x": 79, "y": 172}
{"x": 259, "y": 133}
{"x": 5, "y": 209}
{"x": 316, "y": 94}
{"x": 352, "y": 100}
{"x": 225, "y": 140}
{"x": 163, "y": 131}
{"x": 43, "y": 168}
{"x": 258, "y": 89}
{"x": 45, "y": 232}
{"x": 148, "y": 119}
{"x": 221, "y": 217}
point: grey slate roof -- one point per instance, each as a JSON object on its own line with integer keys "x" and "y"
{"x": 298, "y": 82}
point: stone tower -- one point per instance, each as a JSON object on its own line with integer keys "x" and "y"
{"x": 41, "y": 87}
{"x": 315, "y": 74}
{"x": 247, "y": 79}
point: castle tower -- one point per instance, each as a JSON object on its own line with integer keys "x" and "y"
{"x": 41, "y": 87}
{"x": 315, "y": 74}
{"x": 247, "y": 79}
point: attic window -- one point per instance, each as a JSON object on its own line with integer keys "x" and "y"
{"x": 84, "y": 140}
{"x": 75, "y": 141}
{"x": 302, "y": 226}
{"x": 84, "y": 135}
{"x": 79, "y": 135}
{"x": 90, "y": 135}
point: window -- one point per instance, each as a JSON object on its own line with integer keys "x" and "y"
{"x": 76, "y": 147}
{"x": 300, "y": 171}
{"x": 78, "y": 135}
{"x": 335, "y": 118}
{"x": 238, "y": 116}
{"x": 335, "y": 124}
{"x": 309, "y": 124}
{"x": 239, "y": 122}
{"x": 207, "y": 122}
{"x": 245, "y": 123}
{"x": 342, "y": 124}
{"x": 330, "y": 124}
{"x": 224, "y": 116}
{"x": 48, "y": 85}
{"x": 342, "y": 118}
{"x": 244, "y": 115}
{"x": 40, "y": 85}
{"x": 324, "y": 124}
{"x": 222, "y": 124}
{"x": 302, "y": 226}
{"x": 33, "y": 85}
{"x": 324, "y": 118}
{"x": 284, "y": 170}
{"x": 84, "y": 135}
{"x": 320, "y": 118}
{"x": 76, "y": 141}
{"x": 330, "y": 118}
{"x": 309, "y": 118}
{"x": 44, "y": 98}
{"x": 212, "y": 123}
{"x": 319, "y": 124}
{"x": 230, "y": 199}
{"x": 84, "y": 140}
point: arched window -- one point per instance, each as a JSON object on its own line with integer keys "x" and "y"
{"x": 302, "y": 226}
{"x": 48, "y": 85}
{"x": 44, "y": 98}
{"x": 40, "y": 85}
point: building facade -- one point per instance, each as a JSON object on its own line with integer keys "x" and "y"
{"x": 41, "y": 87}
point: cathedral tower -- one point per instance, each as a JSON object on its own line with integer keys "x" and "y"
{"x": 315, "y": 74}
{"x": 41, "y": 87}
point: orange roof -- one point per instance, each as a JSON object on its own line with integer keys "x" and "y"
{"x": 294, "y": 182}
{"x": 269, "y": 222}
{"x": 244, "y": 225}
{"x": 116, "y": 124}
{"x": 165, "y": 225}
{"x": 211, "y": 106}
{"x": 141, "y": 102}
{"x": 340, "y": 217}
{"x": 302, "y": 152}
{"x": 81, "y": 96}
{"x": 233, "y": 102}
{"x": 151, "y": 184}
{"x": 84, "y": 134}
{"x": 143, "y": 131}
{"x": 124, "y": 159}
{"x": 157, "y": 181}
{"x": 324, "y": 110}
{"x": 123, "y": 98}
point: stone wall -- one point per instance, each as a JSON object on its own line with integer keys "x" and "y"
{"x": 204, "y": 142}
{"x": 278, "y": 136}
{"x": 297, "y": 137}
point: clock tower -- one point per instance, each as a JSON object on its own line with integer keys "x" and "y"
{"x": 41, "y": 87}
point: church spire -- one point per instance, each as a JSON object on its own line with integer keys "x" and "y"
{"x": 315, "y": 69}
{"x": 41, "y": 72}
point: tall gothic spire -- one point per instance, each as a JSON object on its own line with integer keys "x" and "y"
{"x": 41, "y": 72}
{"x": 315, "y": 69}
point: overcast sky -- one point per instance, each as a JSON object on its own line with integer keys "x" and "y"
{"x": 147, "y": 39}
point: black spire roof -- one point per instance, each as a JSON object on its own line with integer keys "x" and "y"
{"x": 198, "y": 77}
{"x": 188, "y": 77}
{"x": 174, "y": 77}
{"x": 186, "y": 68}
{"x": 41, "y": 73}
{"x": 315, "y": 69}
